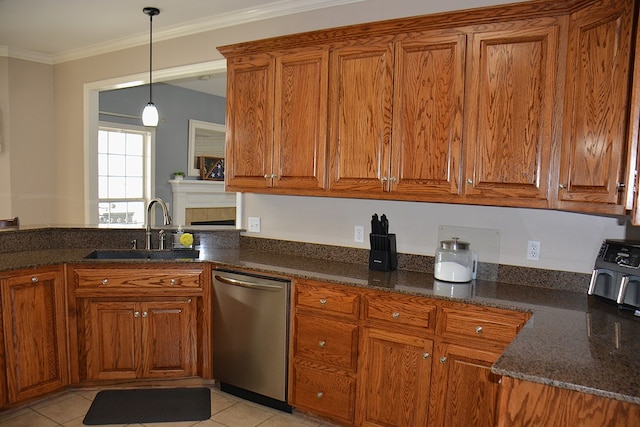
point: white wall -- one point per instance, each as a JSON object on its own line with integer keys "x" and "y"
{"x": 569, "y": 241}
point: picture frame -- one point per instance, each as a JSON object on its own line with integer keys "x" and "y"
{"x": 211, "y": 168}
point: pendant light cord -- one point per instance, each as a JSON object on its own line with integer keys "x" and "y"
{"x": 150, "y": 57}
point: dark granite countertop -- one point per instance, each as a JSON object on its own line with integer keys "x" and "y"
{"x": 572, "y": 340}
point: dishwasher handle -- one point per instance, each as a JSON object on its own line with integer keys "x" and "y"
{"x": 241, "y": 283}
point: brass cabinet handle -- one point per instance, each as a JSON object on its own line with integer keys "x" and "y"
{"x": 105, "y": 281}
{"x": 469, "y": 181}
{"x": 136, "y": 314}
{"x": 319, "y": 394}
{"x": 395, "y": 315}
{"x": 443, "y": 359}
{"x": 479, "y": 329}
{"x": 425, "y": 355}
{"x": 34, "y": 279}
{"x": 172, "y": 281}
{"x": 321, "y": 344}
{"x": 323, "y": 301}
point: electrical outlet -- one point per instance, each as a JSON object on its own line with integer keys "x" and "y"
{"x": 533, "y": 250}
{"x": 254, "y": 224}
{"x": 358, "y": 234}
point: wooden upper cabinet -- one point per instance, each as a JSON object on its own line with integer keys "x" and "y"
{"x": 427, "y": 114}
{"x": 360, "y": 97}
{"x": 249, "y": 139}
{"x": 509, "y": 112}
{"x": 276, "y": 120}
{"x": 596, "y": 108}
{"x": 300, "y": 140}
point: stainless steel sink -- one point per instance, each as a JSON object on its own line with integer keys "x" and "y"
{"x": 143, "y": 254}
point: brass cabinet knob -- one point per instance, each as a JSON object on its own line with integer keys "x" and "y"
{"x": 136, "y": 314}
{"x": 34, "y": 279}
{"x": 319, "y": 394}
{"x": 479, "y": 329}
{"x": 469, "y": 181}
{"x": 105, "y": 281}
{"x": 321, "y": 344}
{"x": 443, "y": 359}
{"x": 425, "y": 355}
{"x": 395, "y": 315}
{"x": 323, "y": 301}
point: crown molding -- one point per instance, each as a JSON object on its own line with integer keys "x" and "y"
{"x": 27, "y": 55}
{"x": 271, "y": 10}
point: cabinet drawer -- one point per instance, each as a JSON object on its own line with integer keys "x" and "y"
{"x": 137, "y": 278}
{"x": 329, "y": 299}
{"x": 499, "y": 326}
{"x": 400, "y": 309}
{"x": 326, "y": 341}
{"x": 324, "y": 393}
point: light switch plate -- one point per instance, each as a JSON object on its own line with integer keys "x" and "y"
{"x": 253, "y": 224}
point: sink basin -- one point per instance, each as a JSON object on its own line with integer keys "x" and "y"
{"x": 143, "y": 254}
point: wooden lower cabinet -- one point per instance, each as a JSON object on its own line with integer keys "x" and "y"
{"x": 34, "y": 329}
{"x": 372, "y": 358}
{"x": 394, "y": 378}
{"x": 153, "y": 339}
{"x": 523, "y": 403}
{"x": 464, "y": 391}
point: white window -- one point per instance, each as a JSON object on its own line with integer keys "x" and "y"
{"x": 124, "y": 174}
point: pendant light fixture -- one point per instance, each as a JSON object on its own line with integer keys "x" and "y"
{"x": 150, "y": 112}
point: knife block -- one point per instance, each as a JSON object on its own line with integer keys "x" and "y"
{"x": 383, "y": 255}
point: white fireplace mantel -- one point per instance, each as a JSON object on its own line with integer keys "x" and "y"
{"x": 201, "y": 194}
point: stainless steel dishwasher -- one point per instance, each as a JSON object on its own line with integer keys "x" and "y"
{"x": 251, "y": 336}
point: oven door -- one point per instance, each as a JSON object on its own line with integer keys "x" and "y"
{"x": 605, "y": 283}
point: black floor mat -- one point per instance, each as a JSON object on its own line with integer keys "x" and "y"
{"x": 154, "y": 405}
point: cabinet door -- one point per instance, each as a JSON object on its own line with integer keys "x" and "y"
{"x": 596, "y": 107}
{"x": 300, "y": 125}
{"x": 360, "y": 96}
{"x": 464, "y": 391}
{"x": 169, "y": 338}
{"x": 249, "y": 139}
{"x": 394, "y": 377}
{"x": 509, "y": 120}
{"x": 114, "y": 344}
{"x": 427, "y": 114}
{"x": 34, "y": 326}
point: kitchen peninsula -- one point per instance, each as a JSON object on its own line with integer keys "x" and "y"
{"x": 576, "y": 348}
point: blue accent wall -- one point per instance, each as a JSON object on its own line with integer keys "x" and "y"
{"x": 176, "y": 107}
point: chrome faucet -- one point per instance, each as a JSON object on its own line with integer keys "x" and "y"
{"x": 165, "y": 213}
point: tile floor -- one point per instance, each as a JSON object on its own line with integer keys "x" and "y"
{"x": 69, "y": 408}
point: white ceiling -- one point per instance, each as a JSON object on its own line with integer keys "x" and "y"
{"x": 54, "y": 31}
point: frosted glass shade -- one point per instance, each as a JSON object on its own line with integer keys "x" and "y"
{"x": 150, "y": 115}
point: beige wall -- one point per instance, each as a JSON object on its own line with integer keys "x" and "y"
{"x": 28, "y": 145}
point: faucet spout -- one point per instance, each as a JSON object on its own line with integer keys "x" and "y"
{"x": 165, "y": 214}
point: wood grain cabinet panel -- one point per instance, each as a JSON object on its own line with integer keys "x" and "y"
{"x": 426, "y": 149}
{"x": 596, "y": 108}
{"x": 464, "y": 391}
{"x": 249, "y": 135}
{"x": 360, "y": 111}
{"x": 34, "y": 327}
{"x": 394, "y": 378}
{"x": 130, "y": 340}
{"x": 509, "y": 112}
{"x": 326, "y": 341}
{"x": 526, "y": 403}
{"x": 324, "y": 298}
{"x": 276, "y": 121}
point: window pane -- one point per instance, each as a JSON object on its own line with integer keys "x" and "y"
{"x": 117, "y": 143}
{"x": 116, "y": 187}
{"x": 103, "y": 164}
{"x": 103, "y": 138}
{"x": 103, "y": 188}
{"x": 134, "y": 188}
{"x": 117, "y": 165}
{"x": 135, "y": 144}
{"x": 135, "y": 166}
